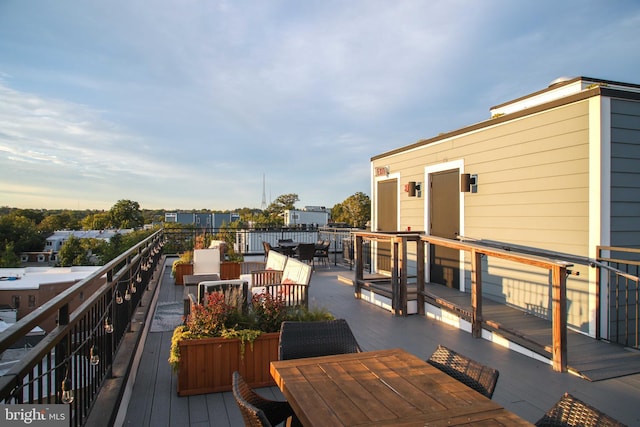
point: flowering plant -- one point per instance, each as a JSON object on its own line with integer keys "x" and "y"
{"x": 269, "y": 311}
{"x": 224, "y": 315}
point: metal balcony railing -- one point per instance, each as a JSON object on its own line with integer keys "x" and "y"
{"x": 620, "y": 285}
{"x": 73, "y": 361}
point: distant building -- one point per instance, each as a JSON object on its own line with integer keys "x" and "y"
{"x": 49, "y": 255}
{"x": 200, "y": 219}
{"x": 56, "y": 240}
{"x": 310, "y": 216}
{"x": 23, "y": 290}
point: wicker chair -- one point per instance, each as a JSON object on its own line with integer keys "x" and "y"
{"x": 306, "y": 252}
{"x": 477, "y": 376}
{"x": 309, "y": 339}
{"x": 322, "y": 252}
{"x": 257, "y": 410}
{"x": 570, "y": 411}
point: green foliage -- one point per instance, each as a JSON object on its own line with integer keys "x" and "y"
{"x": 22, "y": 232}
{"x": 64, "y": 220}
{"x": 355, "y": 210}
{"x": 97, "y": 221}
{"x": 73, "y": 253}
{"x": 316, "y": 314}
{"x": 126, "y": 214}
{"x": 272, "y": 216}
{"x": 8, "y": 257}
{"x": 185, "y": 258}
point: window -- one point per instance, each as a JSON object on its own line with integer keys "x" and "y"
{"x": 32, "y": 301}
{"x": 15, "y": 299}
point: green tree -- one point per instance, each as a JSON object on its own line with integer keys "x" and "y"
{"x": 273, "y": 215}
{"x": 97, "y": 221}
{"x": 355, "y": 210}
{"x": 73, "y": 253}
{"x": 126, "y": 214}
{"x": 22, "y": 232}
{"x": 8, "y": 257}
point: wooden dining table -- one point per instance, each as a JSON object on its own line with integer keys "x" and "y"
{"x": 382, "y": 388}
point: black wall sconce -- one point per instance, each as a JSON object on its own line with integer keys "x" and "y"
{"x": 414, "y": 189}
{"x": 468, "y": 183}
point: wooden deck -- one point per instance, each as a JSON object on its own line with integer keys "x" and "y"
{"x": 592, "y": 359}
{"x": 526, "y": 386}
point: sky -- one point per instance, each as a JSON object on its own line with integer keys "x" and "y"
{"x": 206, "y": 104}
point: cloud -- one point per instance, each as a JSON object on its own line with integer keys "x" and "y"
{"x": 189, "y": 104}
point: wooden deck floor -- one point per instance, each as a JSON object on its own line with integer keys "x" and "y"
{"x": 526, "y": 386}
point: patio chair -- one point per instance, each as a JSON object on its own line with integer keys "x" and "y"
{"x": 322, "y": 252}
{"x": 292, "y": 286}
{"x": 267, "y": 248}
{"x": 570, "y": 411}
{"x": 270, "y": 273}
{"x": 477, "y": 376}
{"x": 235, "y": 292}
{"x": 309, "y": 339}
{"x": 255, "y": 409}
{"x": 306, "y": 252}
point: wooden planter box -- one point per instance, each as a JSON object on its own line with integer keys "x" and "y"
{"x": 206, "y": 365}
{"x": 181, "y": 271}
{"x": 229, "y": 270}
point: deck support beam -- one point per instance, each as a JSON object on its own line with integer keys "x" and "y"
{"x": 559, "y": 317}
{"x": 476, "y": 293}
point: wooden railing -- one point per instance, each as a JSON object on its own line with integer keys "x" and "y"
{"x": 399, "y": 282}
{"x": 82, "y": 352}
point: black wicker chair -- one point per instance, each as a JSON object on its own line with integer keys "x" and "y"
{"x": 477, "y": 376}
{"x": 256, "y": 410}
{"x": 309, "y": 339}
{"x": 570, "y": 411}
{"x": 322, "y": 252}
{"x": 306, "y": 252}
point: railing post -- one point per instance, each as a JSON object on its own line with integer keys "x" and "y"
{"x": 403, "y": 277}
{"x": 395, "y": 277}
{"x": 559, "y": 317}
{"x": 420, "y": 271}
{"x": 476, "y": 293}
{"x": 359, "y": 266}
{"x": 61, "y": 354}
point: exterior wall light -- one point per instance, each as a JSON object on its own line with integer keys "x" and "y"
{"x": 468, "y": 183}
{"x": 413, "y": 188}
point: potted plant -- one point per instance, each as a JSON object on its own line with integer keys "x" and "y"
{"x": 230, "y": 268}
{"x": 182, "y": 266}
{"x": 218, "y": 338}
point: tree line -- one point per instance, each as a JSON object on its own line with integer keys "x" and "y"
{"x": 26, "y": 230}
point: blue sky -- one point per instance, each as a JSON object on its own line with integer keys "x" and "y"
{"x": 187, "y": 104}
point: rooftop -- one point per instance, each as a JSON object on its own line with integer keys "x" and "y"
{"x": 526, "y": 386}
{"x": 33, "y": 277}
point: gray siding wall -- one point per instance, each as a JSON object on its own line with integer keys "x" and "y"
{"x": 625, "y": 166}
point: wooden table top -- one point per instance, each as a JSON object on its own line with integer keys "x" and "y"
{"x": 386, "y": 387}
